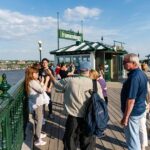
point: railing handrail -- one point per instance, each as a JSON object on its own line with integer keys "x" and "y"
{"x": 12, "y": 91}
{"x": 13, "y": 107}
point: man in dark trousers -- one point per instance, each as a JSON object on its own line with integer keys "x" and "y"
{"x": 43, "y": 73}
{"x": 76, "y": 97}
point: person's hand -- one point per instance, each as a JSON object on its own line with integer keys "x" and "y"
{"x": 124, "y": 121}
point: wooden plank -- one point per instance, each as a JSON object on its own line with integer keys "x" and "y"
{"x": 61, "y": 125}
{"x": 113, "y": 132}
{"x": 55, "y": 129}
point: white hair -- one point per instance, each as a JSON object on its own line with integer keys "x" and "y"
{"x": 132, "y": 58}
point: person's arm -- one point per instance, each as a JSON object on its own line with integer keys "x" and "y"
{"x": 99, "y": 90}
{"x": 128, "y": 110}
{"x": 46, "y": 83}
{"x": 42, "y": 81}
{"x": 72, "y": 72}
{"x": 36, "y": 86}
{"x": 58, "y": 85}
{"x": 103, "y": 84}
{"x": 50, "y": 87}
{"x": 51, "y": 75}
{"x": 148, "y": 98}
{"x": 148, "y": 93}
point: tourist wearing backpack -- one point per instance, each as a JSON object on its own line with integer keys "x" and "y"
{"x": 76, "y": 98}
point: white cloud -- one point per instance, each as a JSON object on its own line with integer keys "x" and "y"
{"x": 15, "y": 24}
{"x": 29, "y": 29}
{"x": 81, "y": 13}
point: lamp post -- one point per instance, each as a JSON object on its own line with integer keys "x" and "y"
{"x": 40, "y": 49}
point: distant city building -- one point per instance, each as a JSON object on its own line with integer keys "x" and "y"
{"x": 15, "y": 64}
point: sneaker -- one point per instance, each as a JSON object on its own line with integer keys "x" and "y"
{"x": 39, "y": 143}
{"x": 51, "y": 116}
{"x": 42, "y": 135}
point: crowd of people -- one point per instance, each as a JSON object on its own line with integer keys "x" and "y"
{"x": 75, "y": 84}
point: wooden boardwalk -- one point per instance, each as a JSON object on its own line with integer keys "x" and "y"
{"x": 114, "y": 139}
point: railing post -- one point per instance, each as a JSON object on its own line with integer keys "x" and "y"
{"x": 4, "y": 87}
{"x": 5, "y": 129}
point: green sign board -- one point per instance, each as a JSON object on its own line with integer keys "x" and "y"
{"x": 70, "y": 35}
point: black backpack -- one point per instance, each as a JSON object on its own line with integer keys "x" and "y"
{"x": 96, "y": 116}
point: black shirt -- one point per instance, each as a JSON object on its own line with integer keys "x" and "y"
{"x": 63, "y": 74}
{"x": 43, "y": 73}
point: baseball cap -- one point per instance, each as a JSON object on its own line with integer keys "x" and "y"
{"x": 85, "y": 65}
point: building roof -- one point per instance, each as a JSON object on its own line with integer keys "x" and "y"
{"x": 86, "y": 47}
{"x": 147, "y": 55}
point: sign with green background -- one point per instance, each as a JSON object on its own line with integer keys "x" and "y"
{"x": 70, "y": 35}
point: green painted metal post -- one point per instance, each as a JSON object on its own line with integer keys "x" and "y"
{"x": 0, "y": 79}
{"x": 4, "y": 86}
{"x": 5, "y": 98}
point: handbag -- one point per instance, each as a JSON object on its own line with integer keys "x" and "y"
{"x": 46, "y": 98}
{"x": 42, "y": 99}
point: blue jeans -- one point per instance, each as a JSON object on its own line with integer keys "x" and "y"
{"x": 132, "y": 132}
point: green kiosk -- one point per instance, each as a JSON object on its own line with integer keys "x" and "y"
{"x": 97, "y": 53}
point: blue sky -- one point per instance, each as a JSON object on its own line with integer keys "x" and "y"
{"x": 24, "y": 22}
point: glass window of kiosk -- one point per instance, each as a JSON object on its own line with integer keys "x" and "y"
{"x": 67, "y": 59}
{"x": 61, "y": 59}
{"x": 85, "y": 58}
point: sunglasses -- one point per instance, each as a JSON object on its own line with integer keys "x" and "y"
{"x": 125, "y": 62}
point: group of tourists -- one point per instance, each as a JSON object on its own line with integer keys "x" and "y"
{"x": 75, "y": 84}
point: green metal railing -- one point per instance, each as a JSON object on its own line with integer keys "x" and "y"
{"x": 13, "y": 119}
